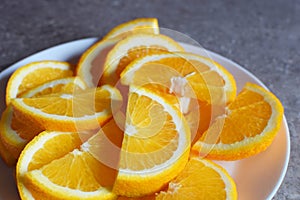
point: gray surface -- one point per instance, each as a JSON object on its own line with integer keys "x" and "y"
{"x": 263, "y": 36}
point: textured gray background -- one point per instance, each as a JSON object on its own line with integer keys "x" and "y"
{"x": 263, "y": 36}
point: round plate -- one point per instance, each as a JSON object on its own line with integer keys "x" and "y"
{"x": 257, "y": 177}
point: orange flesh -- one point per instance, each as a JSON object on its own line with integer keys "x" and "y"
{"x": 202, "y": 83}
{"x": 24, "y": 129}
{"x": 249, "y": 108}
{"x": 152, "y": 132}
{"x": 52, "y": 150}
{"x": 196, "y": 181}
{"x": 41, "y": 76}
{"x": 64, "y": 171}
{"x": 84, "y": 103}
{"x": 137, "y": 52}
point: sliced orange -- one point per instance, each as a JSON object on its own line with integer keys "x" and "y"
{"x": 35, "y": 74}
{"x": 55, "y": 166}
{"x": 16, "y": 133}
{"x": 66, "y": 85}
{"x": 139, "y": 25}
{"x": 203, "y": 86}
{"x": 91, "y": 63}
{"x": 248, "y": 127}
{"x": 132, "y": 47}
{"x": 156, "y": 144}
{"x": 81, "y": 110}
{"x": 185, "y": 74}
{"x": 201, "y": 179}
{"x": 11, "y": 129}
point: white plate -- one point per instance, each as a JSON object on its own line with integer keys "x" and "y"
{"x": 258, "y": 177}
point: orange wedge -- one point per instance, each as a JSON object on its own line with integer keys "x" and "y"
{"x": 203, "y": 86}
{"x": 185, "y": 74}
{"x": 248, "y": 127}
{"x": 156, "y": 144}
{"x": 139, "y": 25}
{"x": 132, "y": 47}
{"x": 91, "y": 63}
{"x": 35, "y": 74}
{"x": 11, "y": 130}
{"x": 55, "y": 165}
{"x": 66, "y": 85}
{"x": 16, "y": 133}
{"x": 81, "y": 110}
{"x": 201, "y": 179}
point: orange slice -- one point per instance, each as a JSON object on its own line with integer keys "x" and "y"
{"x": 203, "y": 86}
{"x": 81, "y": 110}
{"x": 16, "y": 133}
{"x": 132, "y": 47}
{"x": 91, "y": 63}
{"x": 139, "y": 25}
{"x": 55, "y": 166}
{"x": 156, "y": 144}
{"x": 247, "y": 128}
{"x": 201, "y": 179}
{"x": 11, "y": 129}
{"x": 35, "y": 74}
{"x": 185, "y": 74}
{"x": 66, "y": 85}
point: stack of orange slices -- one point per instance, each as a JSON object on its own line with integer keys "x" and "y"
{"x": 138, "y": 118}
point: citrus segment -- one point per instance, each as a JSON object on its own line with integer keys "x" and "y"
{"x": 132, "y": 47}
{"x": 91, "y": 63}
{"x": 83, "y": 109}
{"x": 15, "y": 133}
{"x": 185, "y": 74}
{"x": 156, "y": 144}
{"x": 53, "y": 166}
{"x": 248, "y": 127}
{"x": 200, "y": 179}
{"x": 66, "y": 85}
{"x": 35, "y": 74}
{"x": 139, "y": 25}
{"x": 42, "y": 150}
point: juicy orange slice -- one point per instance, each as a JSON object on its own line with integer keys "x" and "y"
{"x": 203, "y": 86}
{"x": 35, "y": 74}
{"x": 66, "y": 85}
{"x": 200, "y": 179}
{"x": 156, "y": 144}
{"x": 11, "y": 129}
{"x": 91, "y": 63}
{"x": 81, "y": 110}
{"x": 185, "y": 74}
{"x": 54, "y": 166}
{"x": 132, "y": 47}
{"x": 139, "y": 25}
{"x": 16, "y": 133}
{"x": 248, "y": 127}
